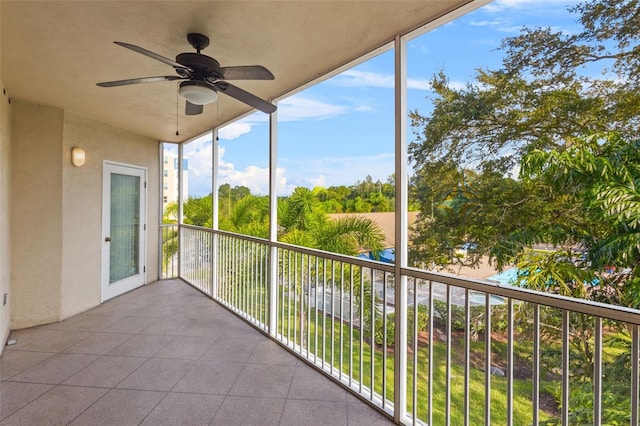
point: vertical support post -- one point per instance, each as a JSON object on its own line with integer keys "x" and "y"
{"x": 273, "y": 225}
{"x": 160, "y": 208}
{"x": 215, "y": 255}
{"x": 180, "y": 210}
{"x": 401, "y": 193}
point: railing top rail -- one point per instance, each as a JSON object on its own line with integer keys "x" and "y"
{"x": 226, "y": 233}
{"x": 366, "y": 263}
{"x": 613, "y": 312}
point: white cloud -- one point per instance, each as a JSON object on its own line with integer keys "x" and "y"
{"x": 502, "y": 5}
{"x": 355, "y": 78}
{"x": 298, "y": 108}
{"x": 308, "y": 172}
{"x": 319, "y": 181}
{"x": 335, "y": 171}
{"x": 253, "y": 177}
{"x": 234, "y": 130}
{"x": 294, "y": 108}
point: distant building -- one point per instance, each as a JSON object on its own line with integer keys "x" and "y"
{"x": 170, "y": 178}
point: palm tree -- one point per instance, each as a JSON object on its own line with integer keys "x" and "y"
{"x": 305, "y": 224}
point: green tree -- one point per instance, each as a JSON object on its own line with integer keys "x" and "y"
{"x": 198, "y": 211}
{"x": 577, "y": 193}
{"x": 542, "y": 98}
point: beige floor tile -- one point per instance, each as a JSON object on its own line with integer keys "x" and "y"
{"x": 120, "y": 407}
{"x": 14, "y": 396}
{"x": 185, "y": 347}
{"x": 59, "y": 406}
{"x": 184, "y": 409}
{"x": 106, "y": 372}
{"x": 157, "y": 374}
{"x": 267, "y": 381}
{"x": 99, "y": 343}
{"x": 245, "y": 411}
{"x": 142, "y": 345}
{"x": 55, "y": 369}
{"x": 209, "y": 377}
{"x": 310, "y": 413}
{"x": 14, "y": 362}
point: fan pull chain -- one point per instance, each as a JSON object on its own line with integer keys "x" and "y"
{"x": 177, "y": 111}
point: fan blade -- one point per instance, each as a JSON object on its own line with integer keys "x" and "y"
{"x": 139, "y": 80}
{"x": 193, "y": 109}
{"x": 153, "y": 55}
{"x": 244, "y": 96}
{"x": 248, "y": 72}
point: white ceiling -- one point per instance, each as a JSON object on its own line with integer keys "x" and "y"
{"x": 53, "y": 53}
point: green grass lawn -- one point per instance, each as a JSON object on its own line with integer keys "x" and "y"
{"x": 351, "y": 353}
{"x": 355, "y": 353}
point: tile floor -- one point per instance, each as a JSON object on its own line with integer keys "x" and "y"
{"x": 164, "y": 355}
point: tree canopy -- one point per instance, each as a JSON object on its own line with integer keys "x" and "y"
{"x": 506, "y": 163}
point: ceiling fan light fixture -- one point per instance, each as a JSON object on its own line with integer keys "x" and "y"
{"x": 197, "y": 92}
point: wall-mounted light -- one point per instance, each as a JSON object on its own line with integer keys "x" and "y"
{"x": 77, "y": 156}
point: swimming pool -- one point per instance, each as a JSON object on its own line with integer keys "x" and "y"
{"x": 506, "y": 277}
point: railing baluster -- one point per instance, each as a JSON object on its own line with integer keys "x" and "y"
{"x": 324, "y": 310}
{"x": 373, "y": 332}
{"x": 487, "y": 362}
{"x": 430, "y": 358}
{"x": 362, "y": 329}
{"x": 535, "y": 397}
{"x": 597, "y": 373}
{"x": 341, "y": 319}
{"x": 467, "y": 354}
{"x": 315, "y": 337}
{"x": 333, "y": 315}
{"x": 384, "y": 342}
{"x": 509, "y": 362}
{"x": 351, "y": 325}
{"x": 415, "y": 351}
{"x": 294, "y": 320}
{"x": 565, "y": 369}
{"x": 635, "y": 359}
{"x": 447, "y": 386}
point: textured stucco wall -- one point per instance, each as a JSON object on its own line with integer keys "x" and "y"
{"x": 57, "y": 236}
{"x": 36, "y": 214}
{"x": 82, "y": 205}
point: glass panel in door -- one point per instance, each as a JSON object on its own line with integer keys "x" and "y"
{"x": 125, "y": 227}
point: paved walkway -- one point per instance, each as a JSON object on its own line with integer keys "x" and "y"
{"x": 165, "y": 355}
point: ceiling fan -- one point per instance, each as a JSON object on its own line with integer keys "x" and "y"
{"x": 202, "y": 77}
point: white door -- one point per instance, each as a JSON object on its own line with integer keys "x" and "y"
{"x": 123, "y": 228}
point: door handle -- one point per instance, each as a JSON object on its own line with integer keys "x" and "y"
{"x": 107, "y": 239}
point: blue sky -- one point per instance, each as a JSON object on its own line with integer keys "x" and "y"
{"x": 341, "y": 130}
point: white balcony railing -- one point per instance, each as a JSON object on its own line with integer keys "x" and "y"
{"x": 466, "y": 352}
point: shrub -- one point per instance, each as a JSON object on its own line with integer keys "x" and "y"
{"x": 423, "y": 322}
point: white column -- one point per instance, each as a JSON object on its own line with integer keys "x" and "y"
{"x": 401, "y": 193}
{"x": 214, "y": 196}
{"x": 273, "y": 224}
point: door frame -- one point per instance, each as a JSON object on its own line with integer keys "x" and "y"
{"x": 139, "y": 279}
